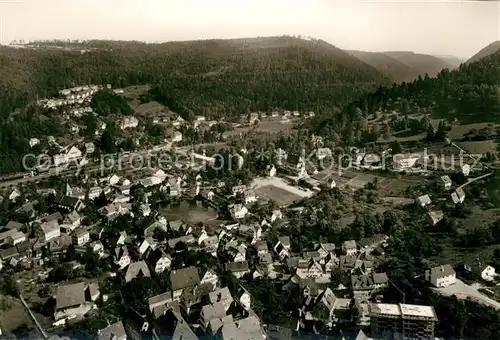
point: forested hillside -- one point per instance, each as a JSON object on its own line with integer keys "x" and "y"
{"x": 490, "y": 49}
{"x": 218, "y": 77}
{"x": 469, "y": 94}
{"x": 403, "y": 66}
{"x": 392, "y": 68}
{"x": 453, "y": 61}
{"x": 422, "y": 63}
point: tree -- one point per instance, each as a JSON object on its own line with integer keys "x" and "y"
{"x": 386, "y": 131}
{"x": 336, "y": 277}
{"x": 425, "y": 123}
{"x": 8, "y": 284}
{"x": 430, "y": 133}
{"x": 137, "y": 292}
{"x": 441, "y": 131}
{"x": 396, "y": 147}
{"x": 90, "y": 122}
{"x": 107, "y": 142}
{"x": 90, "y": 260}
{"x": 61, "y": 272}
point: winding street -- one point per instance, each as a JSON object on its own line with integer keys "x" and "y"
{"x": 472, "y": 180}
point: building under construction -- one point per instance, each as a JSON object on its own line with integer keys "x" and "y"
{"x": 402, "y": 321}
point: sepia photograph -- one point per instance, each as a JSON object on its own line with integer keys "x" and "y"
{"x": 245, "y": 170}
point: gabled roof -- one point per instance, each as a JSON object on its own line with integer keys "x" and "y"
{"x": 62, "y": 242}
{"x": 222, "y": 294}
{"x": 440, "y": 271}
{"x": 175, "y": 225}
{"x": 8, "y": 253}
{"x": 137, "y": 269}
{"x": 48, "y": 227}
{"x": 184, "y": 278}
{"x": 14, "y": 225}
{"x": 361, "y": 336}
{"x": 351, "y": 244}
{"x": 183, "y": 331}
{"x": 213, "y": 311}
{"x": 436, "y": 216}
{"x": 72, "y": 217}
{"x": 52, "y": 217}
{"x": 248, "y": 328}
{"x": 368, "y": 281}
{"x": 79, "y": 232}
{"x": 93, "y": 288}
{"x": 328, "y": 247}
{"x": 279, "y": 333}
{"x": 157, "y": 254}
{"x": 160, "y": 299}
{"x": 476, "y": 265}
{"x": 424, "y": 199}
{"x": 249, "y": 193}
{"x": 347, "y": 261}
{"x": 23, "y": 247}
{"x": 121, "y": 251}
{"x": 115, "y": 330}
{"x": 446, "y": 179}
{"x": 237, "y": 266}
{"x": 261, "y": 245}
{"x": 70, "y": 295}
{"x": 285, "y": 240}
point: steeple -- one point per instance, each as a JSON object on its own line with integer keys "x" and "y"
{"x": 69, "y": 190}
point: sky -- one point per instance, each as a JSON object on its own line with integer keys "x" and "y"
{"x": 458, "y": 28}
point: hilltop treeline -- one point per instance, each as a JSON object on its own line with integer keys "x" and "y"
{"x": 216, "y": 78}
{"x": 220, "y": 77}
{"x": 106, "y": 102}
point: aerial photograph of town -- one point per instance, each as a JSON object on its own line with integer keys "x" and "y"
{"x": 245, "y": 170}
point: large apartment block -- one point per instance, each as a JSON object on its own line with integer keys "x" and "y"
{"x": 403, "y": 321}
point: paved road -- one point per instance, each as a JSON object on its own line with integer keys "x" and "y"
{"x": 463, "y": 291}
{"x": 33, "y": 317}
{"x": 472, "y": 180}
{"x": 398, "y": 200}
{"x": 74, "y": 170}
{"x": 92, "y": 168}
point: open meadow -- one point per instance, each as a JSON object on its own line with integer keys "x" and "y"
{"x": 276, "y": 189}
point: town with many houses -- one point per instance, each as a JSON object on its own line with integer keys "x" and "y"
{"x": 190, "y": 279}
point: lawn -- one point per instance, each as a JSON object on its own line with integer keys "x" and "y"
{"x": 13, "y": 315}
{"x": 152, "y": 109}
{"x": 395, "y": 187}
{"x": 479, "y": 147}
{"x": 459, "y": 131}
{"x": 491, "y": 292}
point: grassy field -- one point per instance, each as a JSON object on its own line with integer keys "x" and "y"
{"x": 459, "y": 131}
{"x": 278, "y": 190}
{"x": 152, "y": 109}
{"x": 455, "y": 255}
{"x": 188, "y": 213}
{"x": 412, "y": 138}
{"x": 387, "y": 186}
{"x": 280, "y": 196}
{"x": 13, "y": 315}
{"x": 133, "y": 93}
{"x": 481, "y": 216}
{"x": 491, "y": 292}
{"x": 479, "y": 147}
{"x": 394, "y": 187}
